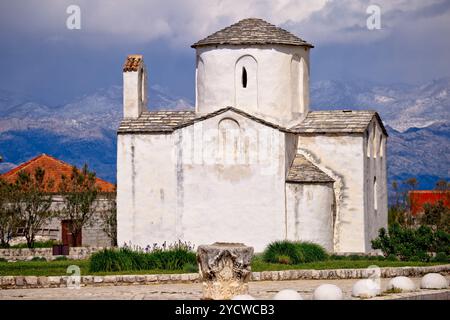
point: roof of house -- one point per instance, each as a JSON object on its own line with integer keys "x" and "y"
{"x": 418, "y": 199}
{"x": 337, "y": 121}
{"x": 302, "y": 170}
{"x": 132, "y": 62}
{"x": 252, "y": 31}
{"x": 156, "y": 121}
{"x": 54, "y": 169}
{"x": 168, "y": 121}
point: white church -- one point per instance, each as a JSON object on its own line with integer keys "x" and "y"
{"x": 251, "y": 163}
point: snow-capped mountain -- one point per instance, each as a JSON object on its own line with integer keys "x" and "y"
{"x": 87, "y": 117}
{"x": 400, "y": 106}
{"x": 417, "y": 117}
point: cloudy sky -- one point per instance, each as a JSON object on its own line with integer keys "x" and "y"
{"x": 40, "y": 56}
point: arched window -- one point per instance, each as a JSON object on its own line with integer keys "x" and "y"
{"x": 368, "y": 143}
{"x": 143, "y": 81}
{"x": 244, "y": 77}
{"x": 295, "y": 83}
{"x": 381, "y": 146}
{"x": 246, "y": 85}
{"x": 375, "y": 194}
{"x": 299, "y": 83}
{"x": 229, "y": 141}
{"x": 201, "y": 81}
{"x": 374, "y": 141}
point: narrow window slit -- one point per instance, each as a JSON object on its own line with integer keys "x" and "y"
{"x": 244, "y": 77}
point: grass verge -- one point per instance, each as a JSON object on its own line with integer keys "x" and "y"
{"x": 58, "y": 268}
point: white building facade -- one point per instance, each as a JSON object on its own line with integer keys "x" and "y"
{"x": 252, "y": 163}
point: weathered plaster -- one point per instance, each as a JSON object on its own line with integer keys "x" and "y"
{"x": 310, "y": 213}
{"x": 281, "y": 88}
{"x": 211, "y": 193}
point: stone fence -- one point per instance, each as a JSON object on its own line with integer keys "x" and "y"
{"x": 20, "y": 254}
{"x": 17, "y": 282}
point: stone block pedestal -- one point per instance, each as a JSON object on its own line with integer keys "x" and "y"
{"x": 224, "y": 269}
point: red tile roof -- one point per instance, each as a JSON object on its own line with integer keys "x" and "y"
{"x": 419, "y": 198}
{"x": 132, "y": 63}
{"x": 54, "y": 169}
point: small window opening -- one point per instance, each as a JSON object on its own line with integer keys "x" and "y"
{"x": 244, "y": 77}
{"x": 368, "y": 143}
{"x": 381, "y": 147}
{"x": 375, "y": 194}
{"x": 374, "y": 142}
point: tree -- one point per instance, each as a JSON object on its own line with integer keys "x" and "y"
{"x": 410, "y": 185}
{"x": 442, "y": 185}
{"x": 79, "y": 193}
{"x": 32, "y": 202}
{"x": 397, "y": 211}
{"x": 437, "y": 216}
{"x": 108, "y": 216}
{"x": 9, "y": 220}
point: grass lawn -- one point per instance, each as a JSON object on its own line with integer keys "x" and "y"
{"x": 259, "y": 265}
{"x": 58, "y": 268}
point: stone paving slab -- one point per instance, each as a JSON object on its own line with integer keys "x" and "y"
{"x": 186, "y": 291}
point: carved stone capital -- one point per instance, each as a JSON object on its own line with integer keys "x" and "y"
{"x": 225, "y": 269}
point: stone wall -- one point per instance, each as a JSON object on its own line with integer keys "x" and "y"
{"x": 92, "y": 233}
{"x": 16, "y": 282}
{"x": 47, "y": 253}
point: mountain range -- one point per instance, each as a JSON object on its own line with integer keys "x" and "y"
{"x": 83, "y": 131}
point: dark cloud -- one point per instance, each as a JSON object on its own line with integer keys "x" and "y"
{"x": 42, "y": 57}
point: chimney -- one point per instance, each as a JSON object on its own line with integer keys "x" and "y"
{"x": 134, "y": 86}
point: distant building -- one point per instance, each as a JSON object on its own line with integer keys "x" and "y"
{"x": 251, "y": 163}
{"x": 58, "y": 229}
{"x": 418, "y": 199}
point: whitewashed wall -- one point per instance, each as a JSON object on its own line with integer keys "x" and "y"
{"x": 309, "y": 211}
{"x": 203, "y": 183}
{"x": 278, "y": 80}
{"x": 375, "y": 169}
{"x": 146, "y": 189}
{"x": 342, "y": 158}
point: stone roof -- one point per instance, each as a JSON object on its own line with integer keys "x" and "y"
{"x": 302, "y": 170}
{"x": 132, "y": 63}
{"x": 168, "y": 121}
{"x": 252, "y": 31}
{"x": 156, "y": 121}
{"x": 337, "y": 121}
{"x": 54, "y": 170}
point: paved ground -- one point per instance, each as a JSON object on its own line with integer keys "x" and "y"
{"x": 260, "y": 290}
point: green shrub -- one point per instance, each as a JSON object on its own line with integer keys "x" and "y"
{"x": 60, "y": 258}
{"x": 337, "y": 257}
{"x": 409, "y": 243}
{"x": 190, "y": 268}
{"x": 3, "y": 260}
{"x": 173, "y": 259}
{"x": 125, "y": 259}
{"x": 355, "y": 257}
{"x": 289, "y": 252}
{"x": 37, "y": 244}
{"x": 283, "y": 248}
{"x": 392, "y": 257}
{"x": 441, "y": 257}
{"x": 283, "y": 259}
{"x": 311, "y": 252}
{"x": 38, "y": 259}
{"x": 442, "y": 242}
